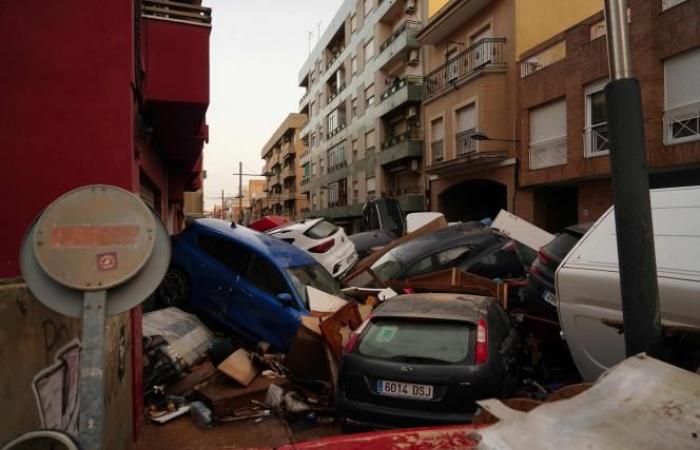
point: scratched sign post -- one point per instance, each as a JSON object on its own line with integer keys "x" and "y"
{"x": 96, "y": 250}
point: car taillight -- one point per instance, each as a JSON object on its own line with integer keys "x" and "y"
{"x": 482, "y": 343}
{"x": 509, "y": 247}
{"x": 354, "y": 339}
{"x": 323, "y": 248}
{"x": 544, "y": 256}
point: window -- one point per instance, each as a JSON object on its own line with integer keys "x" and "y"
{"x": 353, "y": 64}
{"x": 353, "y": 107}
{"x": 666, "y": 4}
{"x": 335, "y": 120}
{"x": 336, "y": 157}
{"x": 483, "y": 33}
{"x": 548, "y": 135}
{"x": 316, "y": 276}
{"x": 353, "y": 23}
{"x": 228, "y": 253}
{"x": 312, "y": 140}
{"x": 369, "y": 50}
{"x": 355, "y": 192}
{"x": 466, "y": 125}
{"x": 368, "y": 7}
{"x": 313, "y": 108}
{"x": 369, "y": 141}
{"x": 355, "y": 147}
{"x": 369, "y": 95}
{"x": 682, "y": 98}
{"x": 307, "y": 170}
{"x": 437, "y": 138}
{"x": 596, "y": 131}
{"x": 371, "y": 187}
{"x": 321, "y": 230}
{"x": 265, "y": 276}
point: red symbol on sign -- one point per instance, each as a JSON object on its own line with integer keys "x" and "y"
{"x": 107, "y": 261}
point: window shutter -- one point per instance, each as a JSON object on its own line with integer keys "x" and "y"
{"x": 548, "y": 121}
{"x": 466, "y": 118}
{"x": 682, "y": 79}
{"x": 437, "y": 129}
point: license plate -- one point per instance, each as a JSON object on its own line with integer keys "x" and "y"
{"x": 405, "y": 390}
{"x": 550, "y": 298}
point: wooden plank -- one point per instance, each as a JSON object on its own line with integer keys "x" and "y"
{"x": 239, "y": 367}
{"x": 367, "y": 262}
{"x": 337, "y": 328}
{"x": 224, "y": 396}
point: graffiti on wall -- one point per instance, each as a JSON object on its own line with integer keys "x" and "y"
{"x": 56, "y": 390}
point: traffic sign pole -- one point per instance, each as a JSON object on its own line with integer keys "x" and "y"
{"x": 92, "y": 363}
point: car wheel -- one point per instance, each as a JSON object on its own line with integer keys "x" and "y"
{"x": 174, "y": 290}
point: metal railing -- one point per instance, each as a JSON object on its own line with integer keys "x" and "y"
{"x": 405, "y": 190}
{"x": 484, "y": 52}
{"x": 596, "y": 140}
{"x": 464, "y": 144}
{"x": 399, "y": 84}
{"x": 682, "y": 124}
{"x": 437, "y": 150}
{"x": 547, "y": 57}
{"x": 336, "y": 166}
{"x": 548, "y": 153}
{"x": 412, "y": 26}
{"x": 183, "y": 12}
{"x": 390, "y": 141}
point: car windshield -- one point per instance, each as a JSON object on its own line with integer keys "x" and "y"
{"x": 387, "y": 267}
{"x": 416, "y": 341}
{"x": 313, "y": 275}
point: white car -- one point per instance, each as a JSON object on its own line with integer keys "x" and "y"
{"x": 326, "y": 242}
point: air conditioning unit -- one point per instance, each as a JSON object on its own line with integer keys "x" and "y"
{"x": 413, "y": 57}
{"x": 410, "y": 7}
{"x": 412, "y": 111}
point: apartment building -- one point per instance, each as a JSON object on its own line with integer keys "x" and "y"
{"x": 257, "y": 199}
{"x": 363, "y": 94}
{"x": 469, "y": 93}
{"x": 283, "y": 170}
{"x": 565, "y": 165}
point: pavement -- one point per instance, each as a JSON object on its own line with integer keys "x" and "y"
{"x": 269, "y": 432}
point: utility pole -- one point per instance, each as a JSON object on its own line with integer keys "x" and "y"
{"x": 222, "y": 204}
{"x": 240, "y": 191}
{"x": 630, "y": 180}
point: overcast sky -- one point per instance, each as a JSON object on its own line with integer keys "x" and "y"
{"x": 257, "y": 49}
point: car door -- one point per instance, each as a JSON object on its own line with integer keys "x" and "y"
{"x": 260, "y": 310}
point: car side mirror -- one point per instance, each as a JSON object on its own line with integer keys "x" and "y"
{"x": 286, "y": 299}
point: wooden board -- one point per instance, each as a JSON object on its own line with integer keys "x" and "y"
{"x": 239, "y": 367}
{"x": 224, "y": 396}
{"x": 337, "y": 328}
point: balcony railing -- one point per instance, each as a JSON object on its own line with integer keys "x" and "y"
{"x": 305, "y": 181}
{"x": 682, "y": 124}
{"x": 397, "y": 85}
{"x": 304, "y": 97}
{"x": 596, "y": 140}
{"x": 437, "y": 150}
{"x": 337, "y": 203}
{"x": 390, "y": 141}
{"x": 337, "y": 92}
{"x": 484, "y": 52}
{"x": 546, "y": 57}
{"x": 182, "y": 12}
{"x": 548, "y": 153}
{"x": 336, "y": 166}
{"x": 411, "y": 26}
{"x": 464, "y": 142}
{"x": 336, "y": 130}
{"x": 335, "y": 56}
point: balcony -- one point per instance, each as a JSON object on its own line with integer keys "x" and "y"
{"x": 336, "y": 130}
{"x": 399, "y": 44}
{"x": 548, "y": 153}
{"x": 400, "y": 150}
{"x": 464, "y": 144}
{"x": 304, "y": 98}
{"x": 405, "y": 90}
{"x": 547, "y": 57}
{"x": 337, "y": 166}
{"x": 410, "y": 197}
{"x": 486, "y": 54}
{"x": 596, "y": 140}
{"x": 288, "y": 172}
{"x": 175, "y": 54}
{"x": 437, "y": 150}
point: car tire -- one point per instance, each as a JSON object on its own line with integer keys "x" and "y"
{"x": 174, "y": 290}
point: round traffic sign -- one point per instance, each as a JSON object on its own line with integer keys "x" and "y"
{"x": 94, "y": 237}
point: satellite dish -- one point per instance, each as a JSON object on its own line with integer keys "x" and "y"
{"x": 95, "y": 251}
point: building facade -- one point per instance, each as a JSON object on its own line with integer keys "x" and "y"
{"x": 112, "y": 93}
{"x": 565, "y": 165}
{"x": 281, "y": 155}
{"x": 470, "y": 91}
{"x": 363, "y": 94}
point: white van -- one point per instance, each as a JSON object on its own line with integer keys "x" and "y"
{"x": 588, "y": 283}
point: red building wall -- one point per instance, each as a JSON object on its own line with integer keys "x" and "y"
{"x": 67, "y": 109}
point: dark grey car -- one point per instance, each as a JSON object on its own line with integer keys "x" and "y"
{"x": 424, "y": 359}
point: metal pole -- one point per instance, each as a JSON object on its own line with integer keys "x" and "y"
{"x": 222, "y": 204}
{"x": 630, "y": 180}
{"x": 240, "y": 191}
{"x": 92, "y": 363}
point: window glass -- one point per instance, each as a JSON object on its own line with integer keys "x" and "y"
{"x": 321, "y": 230}
{"x": 598, "y": 112}
{"x": 387, "y": 267}
{"x": 265, "y": 276}
{"x": 416, "y": 341}
{"x": 423, "y": 266}
{"x": 230, "y": 254}
{"x": 316, "y": 276}
{"x": 369, "y": 50}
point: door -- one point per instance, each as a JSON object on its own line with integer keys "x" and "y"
{"x": 220, "y": 271}
{"x": 256, "y": 306}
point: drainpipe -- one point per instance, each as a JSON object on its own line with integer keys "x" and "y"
{"x": 630, "y": 181}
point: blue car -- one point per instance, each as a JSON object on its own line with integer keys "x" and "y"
{"x": 247, "y": 280}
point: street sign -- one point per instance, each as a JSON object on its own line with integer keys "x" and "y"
{"x": 95, "y": 251}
